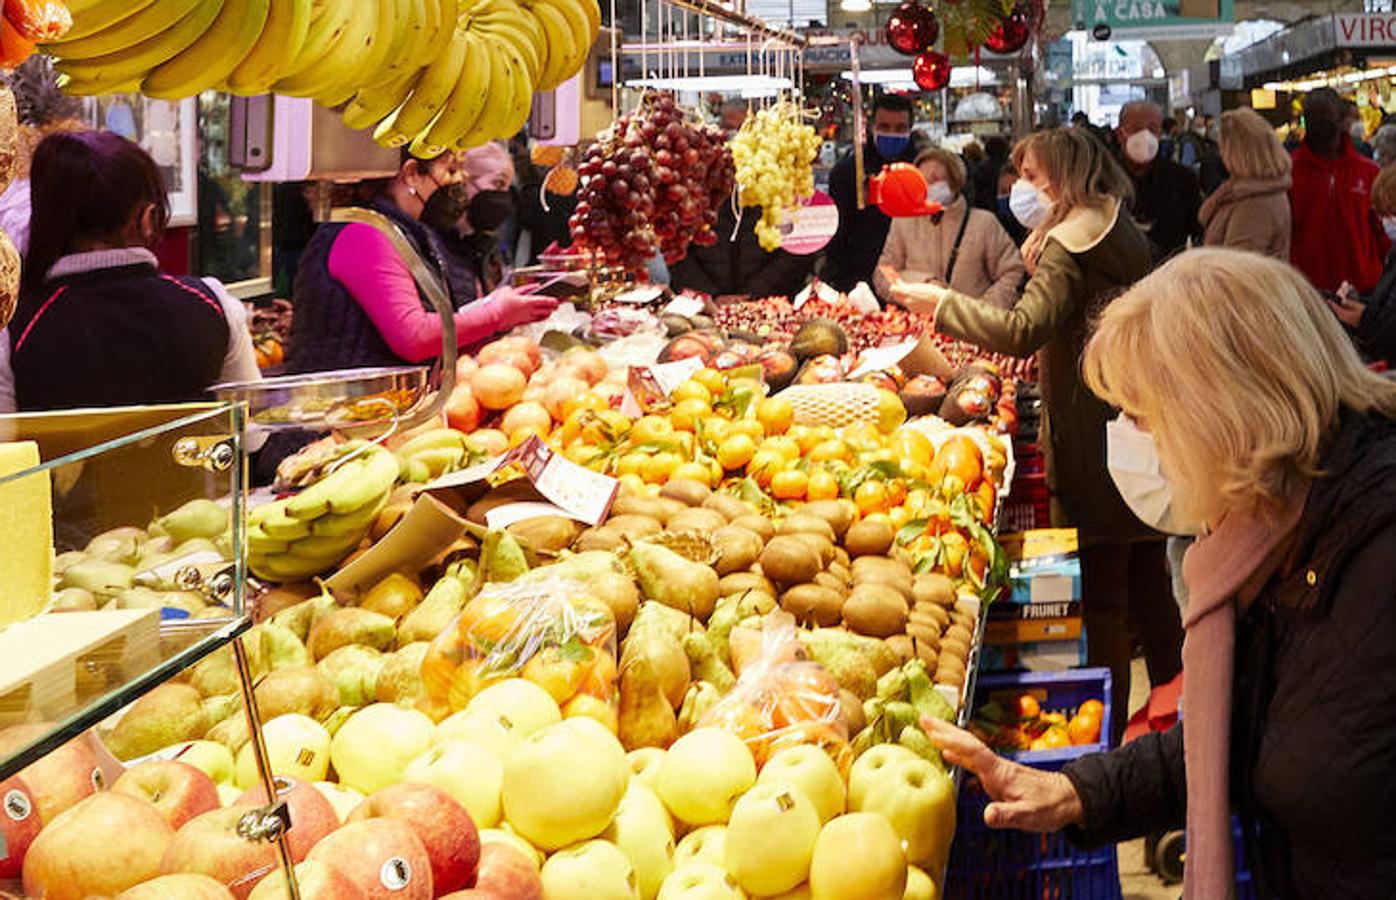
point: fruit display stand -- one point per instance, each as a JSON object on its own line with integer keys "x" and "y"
{"x": 143, "y": 508}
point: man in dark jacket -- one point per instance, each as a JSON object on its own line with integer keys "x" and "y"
{"x": 1166, "y": 194}
{"x": 852, "y": 255}
{"x": 741, "y": 266}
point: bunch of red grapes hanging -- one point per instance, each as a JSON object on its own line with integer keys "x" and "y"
{"x": 652, "y": 184}
{"x": 913, "y": 30}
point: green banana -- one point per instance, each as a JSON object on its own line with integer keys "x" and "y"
{"x": 260, "y": 543}
{"x": 321, "y": 548}
{"x": 439, "y": 462}
{"x": 436, "y": 439}
{"x": 352, "y": 486}
{"x": 281, "y": 527}
{"x": 357, "y": 522}
{"x": 413, "y": 471}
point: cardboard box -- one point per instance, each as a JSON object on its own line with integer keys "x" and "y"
{"x": 1039, "y": 656}
{"x": 1030, "y": 631}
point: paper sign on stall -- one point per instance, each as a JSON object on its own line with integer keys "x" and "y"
{"x": 648, "y": 387}
{"x": 916, "y": 357}
{"x": 685, "y": 305}
{"x": 815, "y": 289}
{"x": 578, "y": 492}
{"x": 427, "y": 530}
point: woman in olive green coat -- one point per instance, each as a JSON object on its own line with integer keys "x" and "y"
{"x": 1084, "y": 250}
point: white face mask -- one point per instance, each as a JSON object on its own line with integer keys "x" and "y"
{"x": 1132, "y": 458}
{"x": 1388, "y": 224}
{"x": 1028, "y": 205}
{"x": 939, "y": 192}
{"x": 1142, "y": 146}
{"x": 1358, "y": 132}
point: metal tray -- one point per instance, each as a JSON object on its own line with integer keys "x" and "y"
{"x": 337, "y": 399}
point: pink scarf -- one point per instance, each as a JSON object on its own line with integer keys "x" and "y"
{"x": 1223, "y": 571}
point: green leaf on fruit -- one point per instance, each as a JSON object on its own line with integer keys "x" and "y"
{"x": 911, "y": 531}
{"x": 575, "y": 650}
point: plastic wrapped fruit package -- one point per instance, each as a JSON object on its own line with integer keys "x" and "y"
{"x": 547, "y": 630}
{"x": 781, "y": 698}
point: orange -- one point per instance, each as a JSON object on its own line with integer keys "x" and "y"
{"x": 631, "y": 483}
{"x": 526, "y": 432}
{"x": 956, "y": 549}
{"x": 557, "y": 673}
{"x": 692, "y": 390}
{"x": 822, "y": 485}
{"x": 830, "y": 450}
{"x": 899, "y": 516}
{"x": 789, "y": 485}
{"x": 687, "y": 413}
{"x": 736, "y": 451}
{"x": 911, "y": 444}
{"x": 696, "y": 471}
{"x": 712, "y": 379}
{"x": 660, "y": 467}
{"x": 584, "y": 704}
{"x": 985, "y": 497}
{"x": 749, "y": 427}
{"x": 776, "y": 415}
{"x": 764, "y": 466}
{"x": 572, "y": 427}
{"x": 1092, "y": 708}
{"x": 863, "y": 436}
{"x": 871, "y": 497}
{"x": 896, "y": 492}
{"x": 786, "y": 447}
{"x": 716, "y": 429}
{"x": 651, "y": 428}
{"x": 1083, "y": 729}
{"x": 1028, "y": 707}
{"x": 805, "y": 436}
{"x": 606, "y": 426}
{"x": 1055, "y": 738}
{"x": 959, "y": 457}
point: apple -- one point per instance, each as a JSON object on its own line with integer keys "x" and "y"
{"x": 440, "y": 823}
{"x": 505, "y": 874}
{"x": 810, "y": 769}
{"x": 644, "y": 763}
{"x": 919, "y": 885}
{"x": 370, "y": 750}
{"x": 524, "y": 705}
{"x": 858, "y": 855}
{"x": 707, "y": 845}
{"x": 770, "y": 838}
{"x": 796, "y": 893}
{"x": 565, "y": 783}
{"x": 382, "y": 856}
{"x": 210, "y": 845}
{"x": 703, "y": 774}
{"x": 314, "y": 880}
{"x": 312, "y": 814}
{"x": 700, "y": 881}
{"x": 644, "y": 832}
{"x": 919, "y": 800}
{"x": 872, "y": 766}
{"x": 210, "y": 757}
{"x": 344, "y": 800}
{"x": 297, "y": 746}
{"x": 595, "y": 870}
{"x": 462, "y": 411}
{"x": 468, "y": 772}
{"x": 60, "y": 779}
{"x": 179, "y": 791}
{"x": 19, "y": 825}
{"x": 103, "y": 845}
{"x": 184, "y": 886}
{"x": 228, "y": 794}
{"x": 500, "y": 737}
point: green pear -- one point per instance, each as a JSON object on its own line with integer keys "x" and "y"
{"x": 200, "y": 518}
{"x": 434, "y": 614}
{"x": 216, "y": 709}
{"x": 705, "y": 663}
{"x": 501, "y": 558}
{"x": 354, "y": 670}
{"x": 120, "y": 545}
{"x": 701, "y": 697}
{"x": 671, "y": 579}
{"x": 73, "y": 600}
{"x": 167, "y": 715}
{"x": 297, "y": 689}
{"x": 606, "y": 578}
{"x": 342, "y": 627}
{"x": 102, "y": 578}
{"x": 646, "y": 716}
{"x": 665, "y": 619}
{"x": 231, "y": 732}
{"x": 400, "y": 679}
{"x": 299, "y": 618}
{"x": 667, "y": 658}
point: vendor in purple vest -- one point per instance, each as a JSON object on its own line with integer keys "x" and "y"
{"x": 356, "y": 303}
{"x": 97, "y": 322}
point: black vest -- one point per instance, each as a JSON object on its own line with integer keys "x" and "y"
{"x": 116, "y": 337}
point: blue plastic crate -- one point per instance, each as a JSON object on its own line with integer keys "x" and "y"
{"x": 1012, "y": 865}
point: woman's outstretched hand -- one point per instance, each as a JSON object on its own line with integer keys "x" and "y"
{"x": 1024, "y": 798}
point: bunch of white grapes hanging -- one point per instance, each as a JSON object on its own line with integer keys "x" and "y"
{"x": 775, "y": 152}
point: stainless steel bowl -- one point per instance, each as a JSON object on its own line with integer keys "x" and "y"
{"x": 346, "y": 398}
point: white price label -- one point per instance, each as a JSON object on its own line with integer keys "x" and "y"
{"x": 685, "y": 305}
{"x": 882, "y": 358}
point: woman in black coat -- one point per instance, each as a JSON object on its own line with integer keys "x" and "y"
{"x": 1248, "y": 418}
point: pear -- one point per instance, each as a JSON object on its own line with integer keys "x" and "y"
{"x": 667, "y": 660}
{"x": 73, "y": 600}
{"x": 434, "y": 614}
{"x": 354, "y": 671}
{"x": 666, "y": 620}
{"x": 297, "y": 689}
{"x": 335, "y": 720}
{"x": 120, "y": 545}
{"x": 700, "y": 698}
{"x": 605, "y": 577}
{"x": 400, "y": 679}
{"x": 395, "y": 596}
{"x": 169, "y": 714}
{"x": 670, "y": 579}
{"x": 299, "y": 618}
{"x": 501, "y": 558}
{"x": 216, "y": 709}
{"x": 646, "y": 716}
{"x": 342, "y": 627}
{"x": 705, "y": 664}
{"x": 102, "y": 578}
{"x": 201, "y": 518}
{"x": 231, "y": 732}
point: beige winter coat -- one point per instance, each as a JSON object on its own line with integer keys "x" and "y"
{"x": 1249, "y": 214}
{"x": 988, "y": 268}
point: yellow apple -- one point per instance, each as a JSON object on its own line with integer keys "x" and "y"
{"x": 344, "y": 799}
{"x": 297, "y": 746}
{"x": 370, "y": 750}
{"x": 498, "y": 737}
{"x": 872, "y": 766}
{"x": 770, "y": 838}
{"x": 918, "y": 799}
{"x": 858, "y": 855}
{"x": 800, "y": 892}
{"x": 565, "y": 783}
{"x": 210, "y": 757}
{"x": 919, "y": 886}
{"x": 707, "y": 845}
{"x": 502, "y": 836}
{"x": 524, "y": 705}
{"x": 700, "y": 881}
{"x": 468, "y": 772}
{"x": 644, "y": 832}
{"x": 810, "y": 769}
{"x": 644, "y": 763}
{"x": 703, "y": 774}
{"x": 595, "y": 870}
{"x": 228, "y": 794}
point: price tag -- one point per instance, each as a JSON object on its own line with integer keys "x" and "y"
{"x": 640, "y": 296}
{"x": 581, "y": 494}
{"x": 880, "y": 359}
{"x": 817, "y": 289}
{"x": 685, "y": 305}
{"x": 810, "y": 228}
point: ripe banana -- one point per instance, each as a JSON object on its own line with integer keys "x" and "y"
{"x": 283, "y": 38}
{"x": 498, "y": 103}
{"x": 436, "y": 439}
{"x": 376, "y": 102}
{"x": 564, "y": 55}
{"x": 137, "y": 60}
{"x": 140, "y": 25}
{"x": 466, "y": 103}
{"x": 521, "y": 101}
{"x": 414, "y": 25}
{"x": 507, "y": 23}
{"x": 78, "y": 87}
{"x": 354, "y": 485}
{"x": 592, "y": 10}
{"x": 382, "y": 38}
{"x": 210, "y": 59}
{"x": 339, "y": 64}
{"x": 99, "y": 16}
{"x": 326, "y": 27}
{"x": 431, "y": 94}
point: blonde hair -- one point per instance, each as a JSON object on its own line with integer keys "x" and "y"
{"x": 1384, "y": 192}
{"x": 1080, "y": 169}
{"x": 1238, "y": 368}
{"x": 954, "y": 167}
{"x": 1250, "y": 148}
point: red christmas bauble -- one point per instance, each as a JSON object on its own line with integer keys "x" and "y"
{"x": 931, "y": 70}
{"x": 1010, "y": 36}
{"x": 912, "y": 28}
{"x": 927, "y": 30}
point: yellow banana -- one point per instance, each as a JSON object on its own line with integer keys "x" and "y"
{"x": 466, "y": 102}
{"x": 283, "y": 38}
{"x": 383, "y": 37}
{"x": 129, "y": 31}
{"x": 135, "y": 62}
{"x": 441, "y": 26}
{"x": 498, "y": 102}
{"x": 510, "y": 27}
{"x": 411, "y": 31}
{"x": 591, "y": 9}
{"x": 431, "y": 94}
{"x": 581, "y": 32}
{"x": 521, "y": 101}
{"x": 562, "y": 48}
{"x": 90, "y": 18}
{"x": 209, "y": 60}
{"x": 340, "y": 67}
{"x": 374, "y": 103}
{"x": 78, "y": 87}
{"x": 326, "y": 26}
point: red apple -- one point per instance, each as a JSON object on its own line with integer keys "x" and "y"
{"x": 60, "y": 779}
{"x": 462, "y": 410}
{"x": 19, "y": 825}
{"x": 177, "y": 789}
{"x": 382, "y": 856}
{"x": 177, "y": 887}
{"x": 210, "y": 845}
{"x": 316, "y": 881}
{"x": 103, "y": 845}
{"x": 312, "y": 814}
{"x": 440, "y": 823}
{"x": 505, "y": 874}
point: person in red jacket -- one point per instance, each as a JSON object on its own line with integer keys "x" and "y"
{"x": 1337, "y": 237}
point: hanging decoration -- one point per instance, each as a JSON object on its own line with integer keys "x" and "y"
{"x": 1014, "y": 32}
{"x": 931, "y": 71}
{"x": 965, "y": 24}
{"x": 912, "y": 28}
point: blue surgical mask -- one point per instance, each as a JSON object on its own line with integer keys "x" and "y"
{"x": 890, "y": 146}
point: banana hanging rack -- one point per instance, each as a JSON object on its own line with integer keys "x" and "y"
{"x": 362, "y": 402}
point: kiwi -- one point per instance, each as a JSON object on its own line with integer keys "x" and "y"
{"x": 839, "y": 571}
{"x": 838, "y": 513}
{"x": 640, "y": 506}
{"x": 546, "y": 533}
{"x": 881, "y": 570}
{"x": 834, "y": 584}
{"x": 599, "y": 539}
{"x": 757, "y": 523}
{"x": 962, "y": 620}
{"x": 933, "y": 587}
{"x": 842, "y": 558}
{"x": 935, "y": 613}
{"x": 967, "y": 608}
{"x": 821, "y": 545}
{"x": 634, "y": 526}
{"x": 959, "y": 632}
{"x": 686, "y": 490}
{"x": 789, "y": 560}
{"x": 953, "y": 677}
{"x": 740, "y": 582}
{"x": 813, "y": 603}
{"x": 954, "y": 647}
{"x": 670, "y": 507}
{"x": 697, "y": 519}
{"x": 923, "y": 633}
{"x": 900, "y": 644}
{"x": 798, "y": 523}
{"x": 729, "y": 506}
{"x": 869, "y": 537}
{"x": 737, "y": 548}
{"x": 851, "y": 710}
{"x": 875, "y": 610}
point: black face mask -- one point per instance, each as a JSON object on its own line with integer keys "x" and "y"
{"x": 490, "y": 209}
{"x": 445, "y": 207}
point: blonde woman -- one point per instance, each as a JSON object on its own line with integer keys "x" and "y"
{"x": 962, "y": 247}
{"x": 1250, "y": 211}
{"x": 1082, "y": 251}
{"x": 1248, "y": 413}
